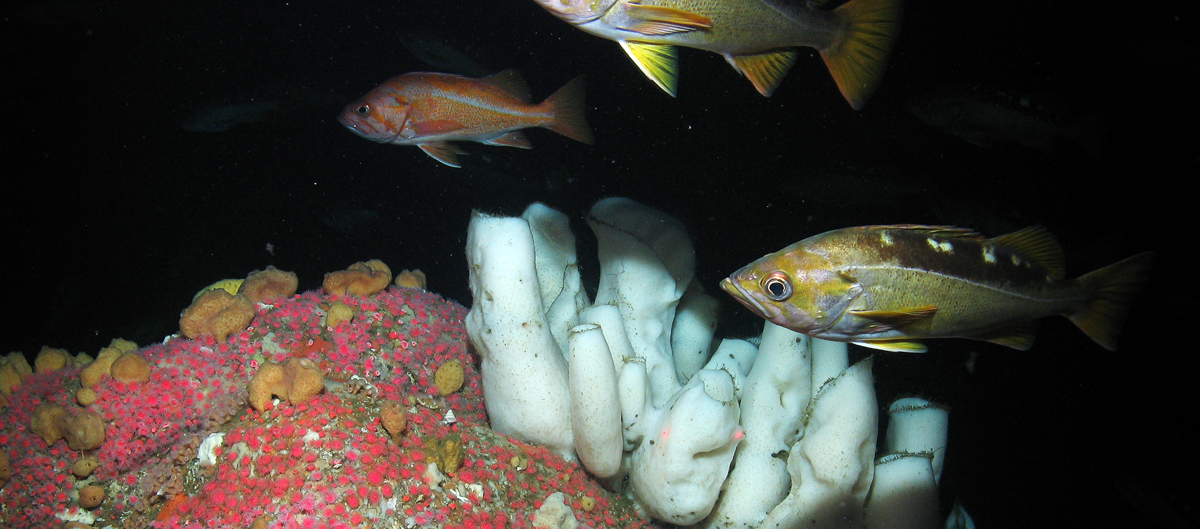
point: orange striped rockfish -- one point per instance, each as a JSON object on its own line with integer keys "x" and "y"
{"x": 430, "y": 110}
{"x": 886, "y": 287}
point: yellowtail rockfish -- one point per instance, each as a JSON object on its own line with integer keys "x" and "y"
{"x": 886, "y": 287}
{"x": 758, "y": 37}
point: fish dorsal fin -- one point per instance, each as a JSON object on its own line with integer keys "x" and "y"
{"x": 1018, "y": 335}
{"x": 659, "y": 20}
{"x": 1037, "y": 244}
{"x": 659, "y": 62}
{"x": 896, "y": 346}
{"x": 953, "y": 232}
{"x": 442, "y": 151}
{"x": 511, "y": 82}
{"x": 764, "y": 70}
{"x": 885, "y": 320}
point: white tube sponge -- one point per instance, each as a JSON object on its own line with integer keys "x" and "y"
{"x": 831, "y": 466}
{"x": 829, "y": 359}
{"x": 904, "y": 494}
{"x": 608, "y": 317}
{"x": 646, "y": 263}
{"x": 679, "y": 467}
{"x": 557, "y": 269}
{"x": 773, "y": 402}
{"x": 916, "y": 426}
{"x": 692, "y": 332}
{"x": 595, "y": 406}
{"x": 524, "y": 373}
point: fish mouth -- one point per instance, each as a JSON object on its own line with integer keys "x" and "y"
{"x": 733, "y": 288}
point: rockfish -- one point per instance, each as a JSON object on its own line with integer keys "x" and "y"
{"x": 757, "y": 37}
{"x": 886, "y": 287}
{"x": 430, "y": 110}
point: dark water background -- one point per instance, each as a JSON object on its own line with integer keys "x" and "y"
{"x": 115, "y": 215}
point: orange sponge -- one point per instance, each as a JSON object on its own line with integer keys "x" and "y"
{"x": 361, "y": 279}
{"x": 272, "y": 283}
{"x": 296, "y": 381}
{"x": 91, "y": 496}
{"x": 216, "y": 313}
{"x": 130, "y": 367}
{"x": 5, "y": 469}
{"x": 411, "y": 279}
{"x": 51, "y": 359}
{"x": 394, "y": 417}
{"x": 84, "y": 431}
{"x": 98, "y": 369}
{"x": 47, "y": 422}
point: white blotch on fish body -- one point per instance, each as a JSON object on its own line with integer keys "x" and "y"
{"x": 989, "y": 255}
{"x": 941, "y": 246}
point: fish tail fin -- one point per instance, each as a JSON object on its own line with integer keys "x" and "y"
{"x": 567, "y": 105}
{"x": 858, "y": 58}
{"x": 1115, "y": 287}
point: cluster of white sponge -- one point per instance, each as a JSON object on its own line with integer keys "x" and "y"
{"x": 633, "y": 386}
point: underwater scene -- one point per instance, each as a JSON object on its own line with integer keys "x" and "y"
{"x": 604, "y": 264}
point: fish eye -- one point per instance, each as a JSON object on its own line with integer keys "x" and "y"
{"x": 363, "y": 110}
{"x": 777, "y": 286}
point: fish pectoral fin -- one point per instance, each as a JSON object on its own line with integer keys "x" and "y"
{"x": 511, "y": 139}
{"x": 764, "y": 70}
{"x": 1018, "y": 335}
{"x": 435, "y": 126}
{"x": 659, "y": 62}
{"x": 658, "y": 20}
{"x": 443, "y": 152}
{"x": 893, "y": 319}
{"x": 896, "y": 346}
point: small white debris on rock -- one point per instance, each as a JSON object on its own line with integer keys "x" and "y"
{"x": 207, "y": 452}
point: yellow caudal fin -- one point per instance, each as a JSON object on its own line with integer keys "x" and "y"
{"x": 1115, "y": 286}
{"x": 858, "y": 58}
{"x": 659, "y": 62}
{"x": 567, "y": 106}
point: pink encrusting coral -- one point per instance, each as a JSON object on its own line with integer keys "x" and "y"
{"x": 184, "y": 449}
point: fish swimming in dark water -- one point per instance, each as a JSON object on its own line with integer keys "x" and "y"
{"x": 441, "y": 53}
{"x": 988, "y": 116}
{"x": 757, "y": 37}
{"x": 887, "y": 287}
{"x": 274, "y": 104}
{"x": 222, "y": 117}
{"x": 430, "y": 110}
